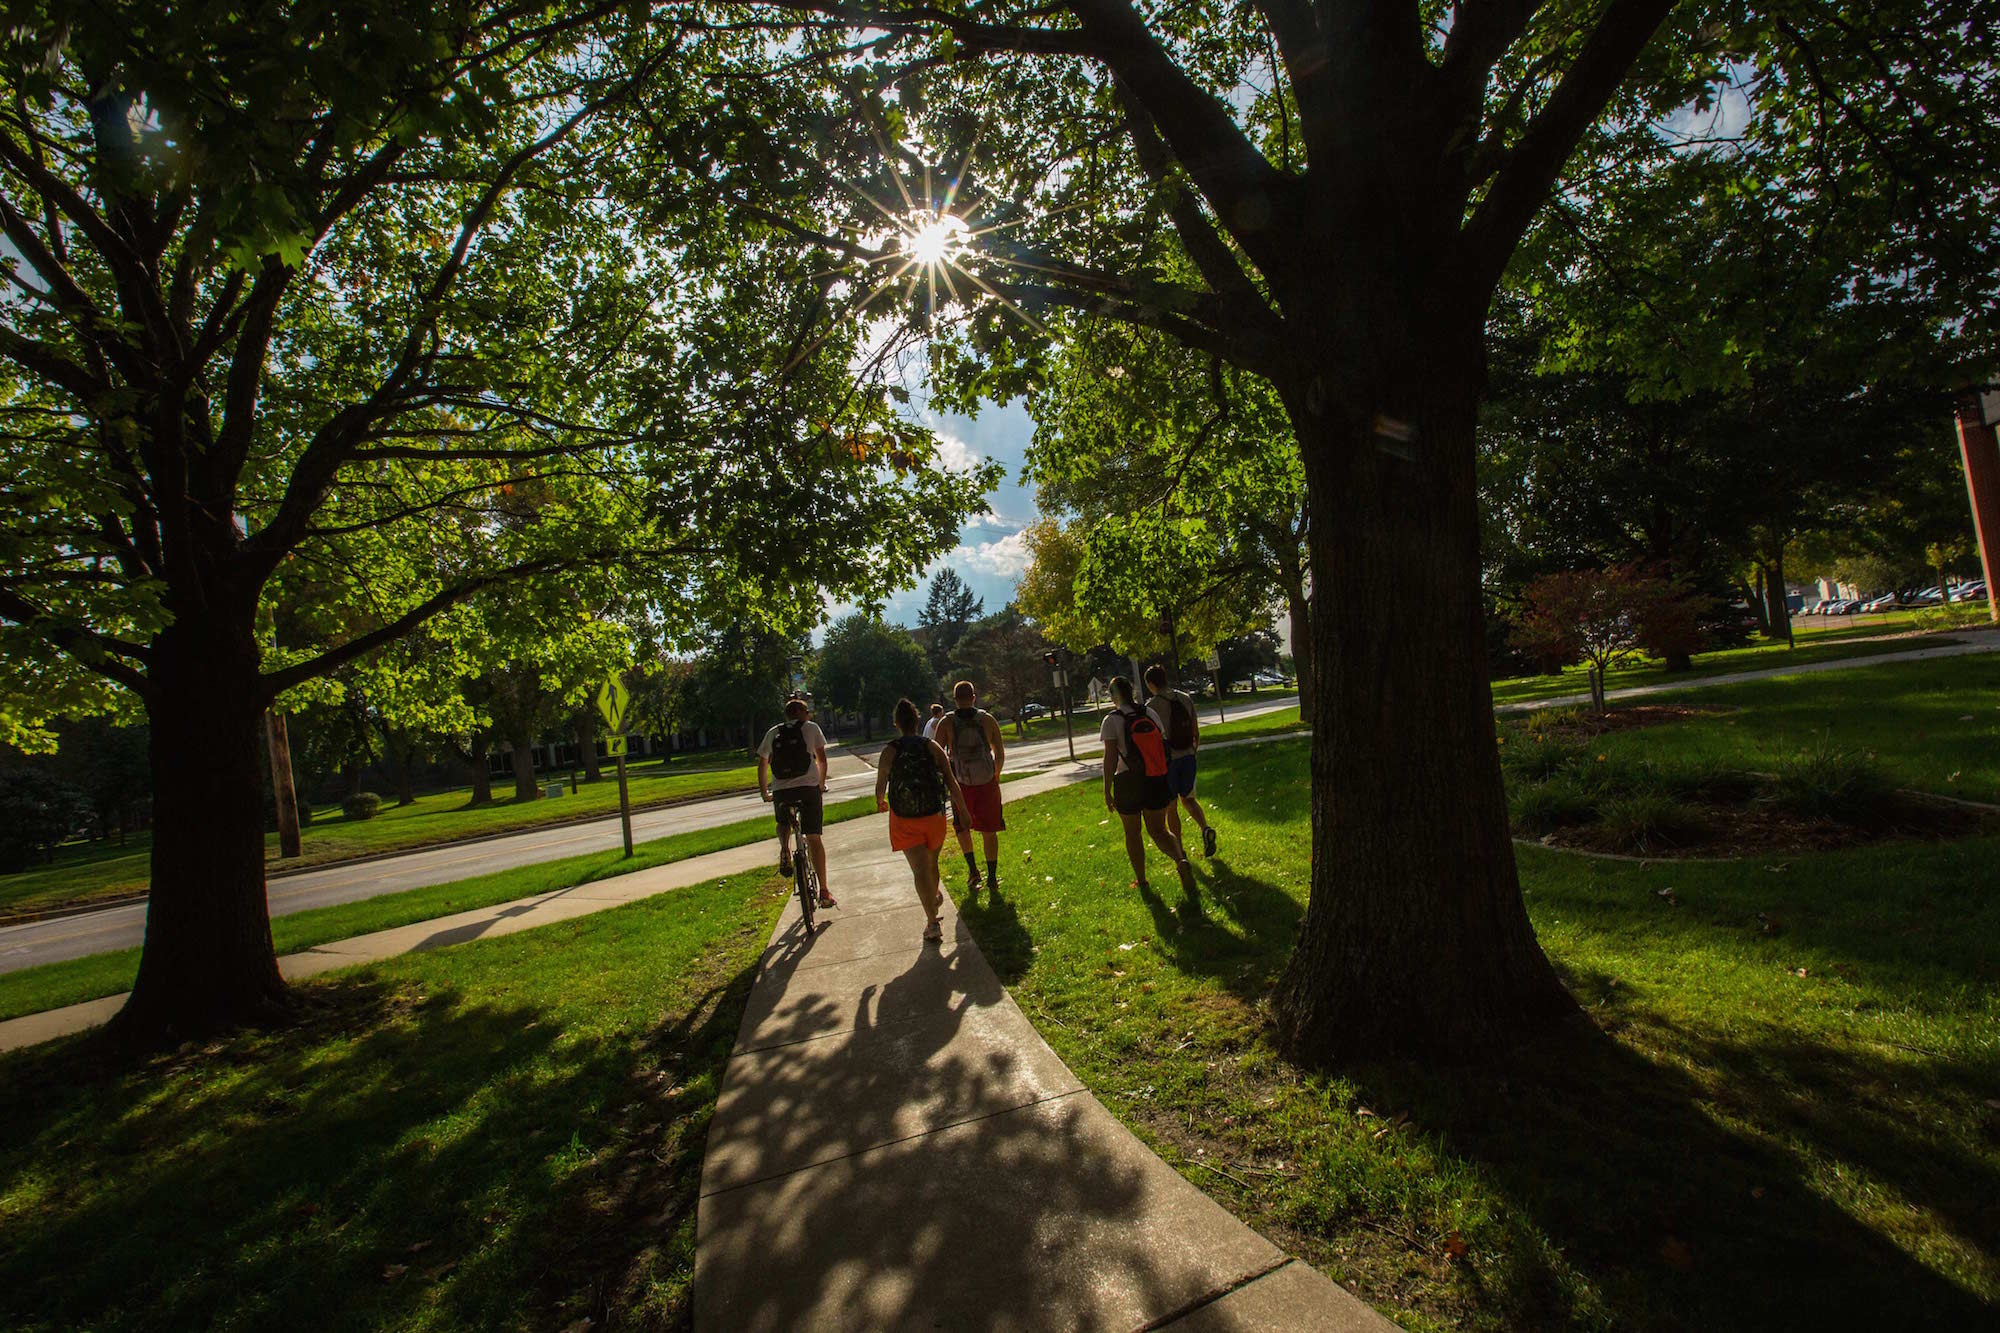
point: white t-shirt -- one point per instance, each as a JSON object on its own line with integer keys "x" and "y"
{"x": 1113, "y": 733}
{"x": 930, "y": 728}
{"x": 1163, "y": 717}
{"x": 815, "y": 742}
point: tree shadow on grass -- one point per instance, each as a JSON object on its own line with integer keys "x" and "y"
{"x": 1679, "y": 1216}
{"x": 404, "y": 1150}
{"x": 1239, "y": 931}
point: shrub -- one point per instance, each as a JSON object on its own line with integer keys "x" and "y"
{"x": 1547, "y": 806}
{"x": 1546, "y": 722}
{"x": 1649, "y": 821}
{"x": 1836, "y": 785}
{"x": 1540, "y": 757}
{"x": 361, "y": 805}
{"x": 1703, "y": 780}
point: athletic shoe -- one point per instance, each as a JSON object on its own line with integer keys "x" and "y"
{"x": 934, "y": 932}
{"x": 1208, "y": 842}
{"x": 785, "y": 867}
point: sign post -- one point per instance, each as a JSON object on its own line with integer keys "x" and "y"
{"x": 613, "y": 701}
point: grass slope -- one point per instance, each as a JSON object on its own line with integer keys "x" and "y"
{"x": 53, "y": 985}
{"x": 1831, "y": 643}
{"x": 1754, "y": 1130}
{"x": 503, "y": 1135}
{"x": 82, "y": 872}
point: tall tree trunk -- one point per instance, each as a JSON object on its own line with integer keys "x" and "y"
{"x": 478, "y": 769}
{"x": 1415, "y": 940}
{"x": 586, "y": 745}
{"x": 400, "y": 754}
{"x": 525, "y": 788}
{"x": 207, "y": 962}
{"x": 1777, "y": 615}
{"x": 1302, "y": 646}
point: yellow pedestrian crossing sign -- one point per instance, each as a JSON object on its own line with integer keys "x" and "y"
{"x": 613, "y": 701}
{"x": 614, "y": 747}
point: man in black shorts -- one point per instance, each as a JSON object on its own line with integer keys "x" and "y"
{"x": 1133, "y": 790}
{"x": 791, "y": 773}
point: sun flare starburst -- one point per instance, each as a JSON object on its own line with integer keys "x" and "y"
{"x": 935, "y": 239}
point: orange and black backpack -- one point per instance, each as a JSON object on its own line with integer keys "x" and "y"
{"x": 1145, "y": 748}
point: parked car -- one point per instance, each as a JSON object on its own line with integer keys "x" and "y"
{"x": 1818, "y": 608}
{"x": 1930, "y": 596}
{"x": 1969, "y": 592}
{"x": 1029, "y": 712}
{"x": 1882, "y": 603}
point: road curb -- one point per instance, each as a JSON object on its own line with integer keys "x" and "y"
{"x": 286, "y": 872}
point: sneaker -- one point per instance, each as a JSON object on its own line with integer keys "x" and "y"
{"x": 1208, "y": 842}
{"x": 785, "y": 866}
{"x": 934, "y": 932}
{"x": 826, "y": 899}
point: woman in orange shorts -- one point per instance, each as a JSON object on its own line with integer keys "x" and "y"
{"x": 912, "y": 780}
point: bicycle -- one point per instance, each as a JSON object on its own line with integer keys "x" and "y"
{"x": 800, "y": 854}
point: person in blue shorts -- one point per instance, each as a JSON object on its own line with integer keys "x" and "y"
{"x": 1174, "y": 713}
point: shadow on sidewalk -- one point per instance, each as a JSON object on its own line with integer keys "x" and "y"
{"x": 831, "y": 1204}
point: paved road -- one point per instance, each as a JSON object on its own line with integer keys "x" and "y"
{"x": 124, "y": 927}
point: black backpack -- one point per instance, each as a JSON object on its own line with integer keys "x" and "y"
{"x": 789, "y": 756}
{"x": 915, "y": 789}
{"x": 1180, "y": 722}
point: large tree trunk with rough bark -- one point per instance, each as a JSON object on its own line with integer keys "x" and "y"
{"x": 482, "y": 776}
{"x": 208, "y": 962}
{"x": 525, "y": 788}
{"x": 1415, "y": 940}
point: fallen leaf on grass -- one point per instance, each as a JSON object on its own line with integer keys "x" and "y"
{"x": 1676, "y": 1254}
{"x": 1770, "y": 924}
{"x": 390, "y": 1272}
{"x": 418, "y": 1248}
{"x": 1778, "y": 870}
{"x": 1756, "y": 1191}
{"x": 1454, "y": 1246}
{"x": 1668, "y": 894}
{"x": 1799, "y": 972}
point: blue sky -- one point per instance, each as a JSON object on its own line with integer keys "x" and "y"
{"x": 989, "y": 556}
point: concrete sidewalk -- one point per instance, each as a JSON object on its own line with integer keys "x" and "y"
{"x": 896, "y": 1147}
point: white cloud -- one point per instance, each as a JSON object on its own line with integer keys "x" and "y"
{"x": 957, "y": 454}
{"x": 1007, "y": 557}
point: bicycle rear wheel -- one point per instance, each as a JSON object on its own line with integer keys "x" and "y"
{"x": 802, "y": 874}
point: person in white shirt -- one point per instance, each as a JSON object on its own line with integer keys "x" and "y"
{"x": 1174, "y": 713}
{"x": 930, "y": 727}
{"x": 791, "y": 773}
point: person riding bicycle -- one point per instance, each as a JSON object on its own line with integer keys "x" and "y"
{"x": 791, "y": 774}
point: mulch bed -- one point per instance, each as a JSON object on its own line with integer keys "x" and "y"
{"x": 1756, "y": 829}
{"x": 1581, "y": 724}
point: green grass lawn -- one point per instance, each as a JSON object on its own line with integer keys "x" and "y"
{"x": 83, "y": 872}
{"x": 52, "y": 985}
{"x": 506, "y": 1134}
{"x": 1932, "y": 725}
{"x": 1829, "y": 643}
{"x": 1754, "y": 1130}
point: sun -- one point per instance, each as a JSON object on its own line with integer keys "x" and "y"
{"x": 932, "y": 239}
